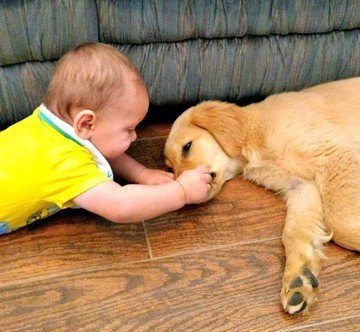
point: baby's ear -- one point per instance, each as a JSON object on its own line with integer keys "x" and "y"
{"x": 222, "y": 120}
{"x": 84, "y": 123}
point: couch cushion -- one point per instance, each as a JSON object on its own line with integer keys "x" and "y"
{"x": 44, "y": 30}
{"x": 22, "y": 87}
{"x": 199, "y": 69}
{"x": 235, "y": 68}
{"x": 145, "y": 21}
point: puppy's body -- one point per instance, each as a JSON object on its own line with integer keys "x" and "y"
{"x": 305, "y": 145}
{"x": 312, "y": 136}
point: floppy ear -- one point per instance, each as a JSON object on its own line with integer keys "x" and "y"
{"x": 224, "y": 121}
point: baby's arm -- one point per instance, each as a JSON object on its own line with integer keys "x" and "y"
{"x": 134, "y": 203}
{"x": 129, "y": 169}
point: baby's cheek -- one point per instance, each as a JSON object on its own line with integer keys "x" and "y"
{"x": 124, "y": 145}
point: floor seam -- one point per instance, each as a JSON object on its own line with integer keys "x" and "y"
{"x": 150, "y": 138}
{"x": 216, "y": 247}
{"x": 319, "y": 323}
{"x": 147, "y": 241}
{"x": 115, "y": 265}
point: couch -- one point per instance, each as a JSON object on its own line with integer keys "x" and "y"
{"x": 187, "y": 50}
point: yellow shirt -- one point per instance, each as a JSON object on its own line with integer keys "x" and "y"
{"x": 43, "y": 166}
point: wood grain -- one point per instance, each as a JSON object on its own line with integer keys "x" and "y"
{"x": 349, "y": 324}
{"x": 243, "y": 212}
{"x": 234, "y": 288}
{"x": 68, "y": 241}
{"x": 153, "y": 131}
{"x": 217, "y": 267}
{"x": 149, "y": 152}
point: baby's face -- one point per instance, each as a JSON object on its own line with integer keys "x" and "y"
{"x": 115, "y": 129}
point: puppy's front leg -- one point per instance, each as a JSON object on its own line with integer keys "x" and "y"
{"x": 303, "y": 237}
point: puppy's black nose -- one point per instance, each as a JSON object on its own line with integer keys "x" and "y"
{"x": 213, "y": 175}
{"x": 169, "y": 169}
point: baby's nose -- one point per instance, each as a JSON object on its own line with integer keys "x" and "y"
{"x": 134, "y": 136}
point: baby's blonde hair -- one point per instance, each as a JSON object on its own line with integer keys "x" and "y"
{"x": 90, "y": 76}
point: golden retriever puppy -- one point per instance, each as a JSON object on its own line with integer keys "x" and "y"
{"x": 304, "y": 145}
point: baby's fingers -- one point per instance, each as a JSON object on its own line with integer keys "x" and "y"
{"x": 203, "y": 169}
{"x": 207, "y": 178}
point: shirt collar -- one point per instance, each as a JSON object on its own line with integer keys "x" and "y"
{"x": 68, "y": 131}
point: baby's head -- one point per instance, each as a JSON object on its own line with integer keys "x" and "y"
{"x": 98, "y": 91}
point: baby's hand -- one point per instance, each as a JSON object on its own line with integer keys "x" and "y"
{"x": 196, "y": 184}
{"x": 155, "y": 176}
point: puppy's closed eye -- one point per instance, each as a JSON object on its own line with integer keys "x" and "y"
{"x": 186, "y": 149}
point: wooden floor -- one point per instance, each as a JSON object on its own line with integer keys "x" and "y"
{"x": 215, "y": 267}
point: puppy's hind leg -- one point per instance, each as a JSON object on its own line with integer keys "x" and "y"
{"x": 341, "y": 201}
{"x": 303, "y": 238}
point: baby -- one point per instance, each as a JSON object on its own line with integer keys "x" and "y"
{"x": 65, "y": 153}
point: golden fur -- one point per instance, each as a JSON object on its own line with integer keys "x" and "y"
{"x": 304, "y": 145}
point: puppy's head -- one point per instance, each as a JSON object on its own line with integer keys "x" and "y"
{"x": 205, "y": 135}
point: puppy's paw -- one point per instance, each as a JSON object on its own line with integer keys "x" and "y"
{"x": 299, "y": 291}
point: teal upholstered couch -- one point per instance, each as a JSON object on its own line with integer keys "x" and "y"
{"x": 187, "y": 50}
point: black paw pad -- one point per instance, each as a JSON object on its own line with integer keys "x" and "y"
{"x": 310, "y": 276}
{"x": 297, "y": 282}
{"x": 302, "y": 308}
{"x": 296, "y": 299}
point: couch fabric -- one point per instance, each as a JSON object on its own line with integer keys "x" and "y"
{"x": 187, "y": 50}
